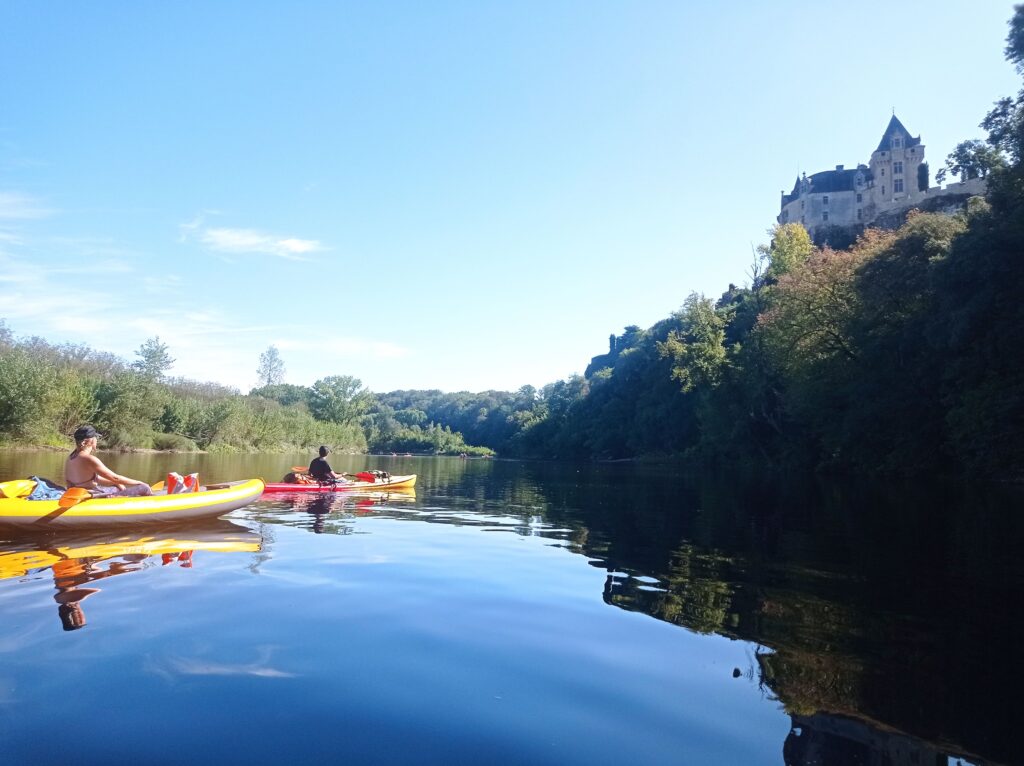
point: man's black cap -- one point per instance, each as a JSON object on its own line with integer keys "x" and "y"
{"x": 86, "y": 432}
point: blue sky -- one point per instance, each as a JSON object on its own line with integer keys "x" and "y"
{"x": 453, "y": 195}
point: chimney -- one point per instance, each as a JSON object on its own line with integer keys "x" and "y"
{"x": 839, "y": 167}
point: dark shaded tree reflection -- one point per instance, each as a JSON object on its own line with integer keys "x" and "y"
{"x": 887, "y": 607}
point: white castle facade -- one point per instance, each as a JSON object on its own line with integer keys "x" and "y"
{"x": 894, "y": 181}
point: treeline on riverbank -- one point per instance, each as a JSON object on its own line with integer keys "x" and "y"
{"x": 47, "y": 390}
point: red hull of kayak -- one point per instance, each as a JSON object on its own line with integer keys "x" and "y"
{"x": 396, "y": 483}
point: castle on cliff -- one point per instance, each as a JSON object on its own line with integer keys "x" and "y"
{"x": 877, "y": 194}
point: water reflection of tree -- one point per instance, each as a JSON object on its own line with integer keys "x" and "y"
{"x": 883, "y": 604}
{"x": 689, "y": 593}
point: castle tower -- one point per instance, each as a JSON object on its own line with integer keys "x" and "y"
{"x": 894, "y": 167}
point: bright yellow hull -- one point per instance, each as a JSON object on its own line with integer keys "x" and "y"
{"x": 131, "y": 510}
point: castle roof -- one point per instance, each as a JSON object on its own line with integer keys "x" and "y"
{"x": 832, "y": 181}
{"x": 895, "y": 126}
{"x": 829, "y": 181}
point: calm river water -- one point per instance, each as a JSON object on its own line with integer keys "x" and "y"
{"x": 520, "y": 613}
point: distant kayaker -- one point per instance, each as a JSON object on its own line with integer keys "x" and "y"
{"x": 84, "y": 469}
{"x": 320, "y": 469}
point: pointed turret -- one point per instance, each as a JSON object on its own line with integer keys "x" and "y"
{"x": 895, "y": 126}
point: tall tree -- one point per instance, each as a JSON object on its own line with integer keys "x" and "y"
{"x": 698, "y": 349}
{"x": 1005, "y": 123}
{"x": 339, "y": 399}
{"x": 271, "y": 368}
{"x": 971, "y": 159}
{"x": 791, "y": 245}
{"x": 1014, "y": 50}
{"x": 154, "y": 358}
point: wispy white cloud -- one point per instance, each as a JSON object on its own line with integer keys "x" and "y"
{"x": 18, "y": 206}
{"x": 190, "y": 229}
{"x": 251, "y": 241}
{"x": 235, "y": 241}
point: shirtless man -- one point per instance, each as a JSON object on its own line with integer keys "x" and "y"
{"x": 320, "y": 469}
{"x": 83, "y": 469}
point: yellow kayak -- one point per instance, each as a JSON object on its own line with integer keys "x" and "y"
{"x": 215, "y": 500}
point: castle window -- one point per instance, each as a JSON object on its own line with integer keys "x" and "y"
{"x": 824, "y": 216}
{"x": 858, "y": 213}
{"x": 897, "y": 168}
{"x": 801, "y": 204}
{"x": 897, "y": 186}
{"x": 824, "y": 200}
{"x": 883, "y": 190}
{"x": 858, "y": 196}
{"x": 883, "y": 171}
{"x": 895, "y": 142}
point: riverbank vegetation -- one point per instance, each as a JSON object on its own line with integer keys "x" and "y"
{"x": 902, "y": 353}
{"x": 47, "y": 390}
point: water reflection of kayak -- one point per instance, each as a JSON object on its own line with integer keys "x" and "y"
{"x": 395, "y": 482}
{"x": 27, "y": 551}
{"x": 334, "y": 511}
{"x": 345, "y": 502}
{"x": 214, "y": 500}
{"x": 75, "y": 559}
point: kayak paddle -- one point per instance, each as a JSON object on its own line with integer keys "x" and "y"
{"x": 73, "y": 496}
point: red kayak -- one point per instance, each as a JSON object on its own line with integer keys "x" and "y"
{"x": 379, "y": 485}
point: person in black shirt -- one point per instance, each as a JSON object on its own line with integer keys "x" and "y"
{"x": 320, "y": 469}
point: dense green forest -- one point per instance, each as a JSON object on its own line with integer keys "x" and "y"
{"x": 901, "y": 353}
